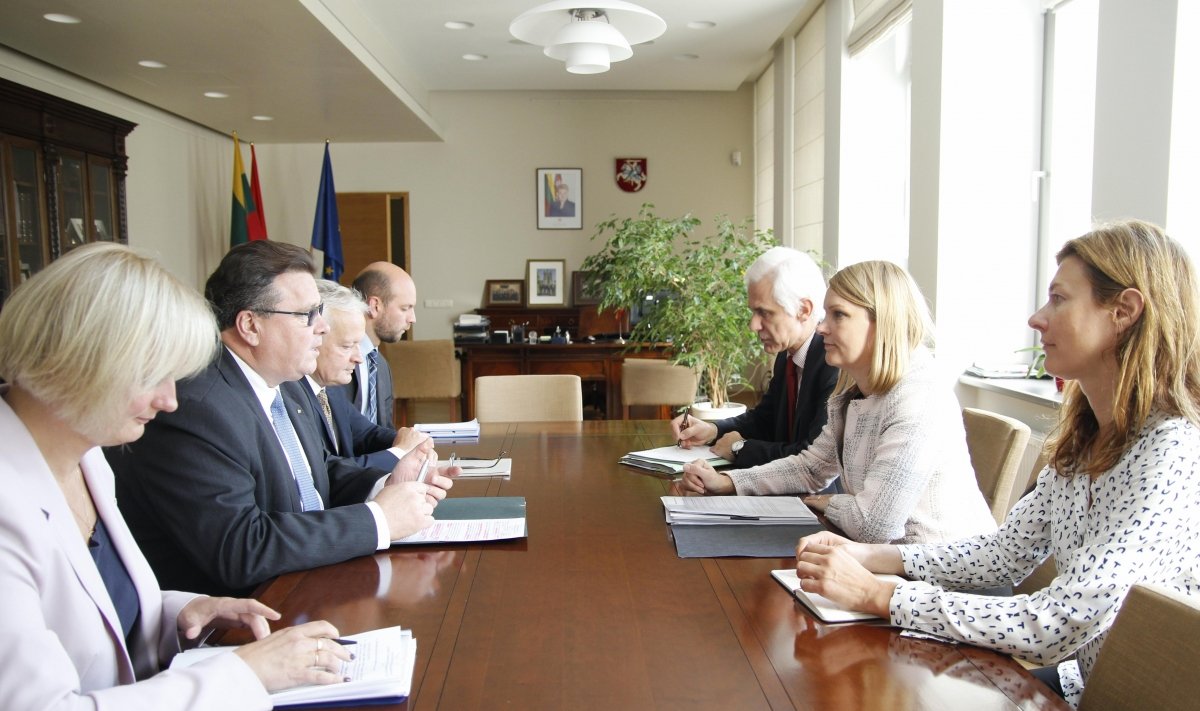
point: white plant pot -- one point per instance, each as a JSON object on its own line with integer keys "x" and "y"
{"x": 705, "y": 411}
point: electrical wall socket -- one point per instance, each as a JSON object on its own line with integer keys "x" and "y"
{"x": 439, "y": 303}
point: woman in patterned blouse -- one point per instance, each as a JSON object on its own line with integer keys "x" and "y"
{"x": 895, "y": 432}
{"x": 1118, "y": 504}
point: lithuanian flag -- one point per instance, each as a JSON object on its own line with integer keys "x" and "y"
{"x": 243, "y": 200}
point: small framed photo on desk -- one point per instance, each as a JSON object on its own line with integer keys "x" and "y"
{"x": 504, "y": 292}
{"x": 546, "y": 282}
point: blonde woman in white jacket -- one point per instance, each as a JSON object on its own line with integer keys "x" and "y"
{"x": 90, "y": 349}
{"x": 895, "y": 434}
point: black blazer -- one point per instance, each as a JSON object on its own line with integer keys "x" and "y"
{"x": 358, "y": 439}
{"x": 210, "y": 498}
{"x": 765, "y": 426}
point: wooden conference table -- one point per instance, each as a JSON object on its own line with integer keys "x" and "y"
{"x": 595, "y": 610}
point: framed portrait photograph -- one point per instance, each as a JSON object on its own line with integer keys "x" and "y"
{"x": 585, "y": 289}
{"x": 504, "y": 292}
{"x": 546, "y": 282}
{"x": 559, "y": 194}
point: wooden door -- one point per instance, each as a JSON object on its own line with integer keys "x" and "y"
{"x": 374, "y": 229}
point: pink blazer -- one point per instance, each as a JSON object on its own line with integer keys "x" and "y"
{"x": 61, "y": 645}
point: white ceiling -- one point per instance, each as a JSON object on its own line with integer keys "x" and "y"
{"x": 363, "y": 70}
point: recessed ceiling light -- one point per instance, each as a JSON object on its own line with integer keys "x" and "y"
{"x": 261, "y": 117}
{"x": 687, "y": 57}
{"x": 474, "y": 57}
{"x": 701, "y": 25}
{"x": 61, "y": 18}
{"x": 216, "y": 95}
{"x": 152, "y": 64}
{"x": 458, "y": 25}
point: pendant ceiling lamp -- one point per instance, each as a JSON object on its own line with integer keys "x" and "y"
{"x": 587, "y": 37}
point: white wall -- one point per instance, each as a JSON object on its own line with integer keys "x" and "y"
{"x": 472, "y": 198}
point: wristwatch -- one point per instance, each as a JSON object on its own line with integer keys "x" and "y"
{"x": 737, "y": 447}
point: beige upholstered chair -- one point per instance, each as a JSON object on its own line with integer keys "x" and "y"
{"x": 1150, "y": 656}
{"x": 996, "y": 444}
{"x": 646, "y": 381}
{"x": 423, "y": 370}
{"x": 528, "y": 398}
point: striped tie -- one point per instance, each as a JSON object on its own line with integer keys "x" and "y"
{"x": 291, "y": 447}
{"x": 323, "y": 398}
{"x": 371, "y": 407}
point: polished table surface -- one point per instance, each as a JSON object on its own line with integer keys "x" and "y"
{"x": 595, "y": 610}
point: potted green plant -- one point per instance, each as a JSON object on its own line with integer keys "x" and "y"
{"x": 694, "y": 285}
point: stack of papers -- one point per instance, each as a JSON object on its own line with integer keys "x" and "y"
{"x": 451, "y": 431}
{"x": 381, "y": 671}
{"x": 998, "y": 370}
{"x": 743, "y": 510}
{"x": 670, "y": 460}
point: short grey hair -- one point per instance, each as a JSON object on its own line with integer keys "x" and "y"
{"x": 97, "y": 325}
{"x": 794, "y": 276}
{"x": 336, "y": 297}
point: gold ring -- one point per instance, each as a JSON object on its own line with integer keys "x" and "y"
{"x": 319, "y": 641}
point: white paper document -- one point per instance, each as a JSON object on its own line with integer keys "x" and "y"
{"x": 737, "y": 509}
{"x": 825, "y": 609}
{"x": 473, "y": 467}
{"x": 439, "y": 430}
{"x": 382, "y": 669}
{"x": 676, "y": 454}
{"x": 466, "y": 530}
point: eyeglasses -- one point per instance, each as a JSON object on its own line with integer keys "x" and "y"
{"x": 310, "y": 315}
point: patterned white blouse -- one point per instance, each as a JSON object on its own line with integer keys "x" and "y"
{"x": 1140, "y": 527}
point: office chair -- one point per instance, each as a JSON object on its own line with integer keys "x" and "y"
{"x": 996, "y": 444}
{"x": 647, "y": 381}
{"x": 423, "y": 370}
{"x": 528, "y": 398}
{"x": 1149, "y": 659}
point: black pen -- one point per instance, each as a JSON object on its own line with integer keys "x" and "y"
{"x": 343, "y": 642}
{"x": 682, "y": 426}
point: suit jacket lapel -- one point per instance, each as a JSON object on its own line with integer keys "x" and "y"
{"x": 39, "y": 482}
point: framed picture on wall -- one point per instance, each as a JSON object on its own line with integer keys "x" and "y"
{"x": 546, "y": 282}
{"x": 504, "y": 292}
{"x": 585, "y": 289}
{"x": 559, "y": 197}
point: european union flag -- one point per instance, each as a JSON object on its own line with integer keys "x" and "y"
{"x": 327, "y": 234}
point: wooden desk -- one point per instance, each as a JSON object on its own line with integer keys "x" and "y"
{"x": 595, "y": 611}
{"x": 597, "y": 364}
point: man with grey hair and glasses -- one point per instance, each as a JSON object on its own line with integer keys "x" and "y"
{"x": 786, "y": 294}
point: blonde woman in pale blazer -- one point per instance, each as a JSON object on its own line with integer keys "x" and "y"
{"x": 895, "y": 432}
{"x": 90, "y": 349}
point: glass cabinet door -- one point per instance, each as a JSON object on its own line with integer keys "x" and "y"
{"x": 5, "y": 243}
{"x": 33, "y": 251}
{"x": 103, "y": 199}
{"x": 72, "y": 228}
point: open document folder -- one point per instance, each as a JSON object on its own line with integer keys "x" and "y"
{"x": 670, "y": 460}
{"x": 381, "y": 671}
{"x": 477, "y": 518}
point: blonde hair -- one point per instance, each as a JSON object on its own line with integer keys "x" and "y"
{"x": 98, "y": 324}
{"x": 896, "y": 306}
{"x": 1158, "y": 356}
